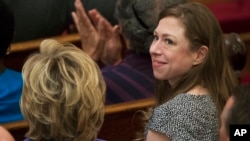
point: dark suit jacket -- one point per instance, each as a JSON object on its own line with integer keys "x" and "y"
{"x": 44, "y": 18}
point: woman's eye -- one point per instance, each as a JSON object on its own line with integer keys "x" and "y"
{"x": 156, "y": 37}
{"x": 168, "y": 41}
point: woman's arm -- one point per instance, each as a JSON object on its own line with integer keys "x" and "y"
{"x": 156, "y": 136}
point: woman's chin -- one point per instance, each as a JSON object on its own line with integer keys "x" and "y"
{"x": 159, "y": 76}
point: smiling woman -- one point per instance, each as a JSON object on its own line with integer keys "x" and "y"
{"x": 170, "y": 41}
{"x": 193, "y": 73}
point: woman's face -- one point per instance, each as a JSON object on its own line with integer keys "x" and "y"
{"x": 170, "y": 53}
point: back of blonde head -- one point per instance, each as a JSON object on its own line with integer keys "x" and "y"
{"x": 63, "y": 94}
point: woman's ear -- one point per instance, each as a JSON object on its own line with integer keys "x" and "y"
{"x": 201, "y": 55}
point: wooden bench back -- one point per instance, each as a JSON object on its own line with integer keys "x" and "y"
{"x": 121, "y": 121}
{"x": 21, "y": 50}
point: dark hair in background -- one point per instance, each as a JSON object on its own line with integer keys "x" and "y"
{"x": 239, "y": 112}
{"x": 6, "y": 28}
{"x": 138, "y": 19}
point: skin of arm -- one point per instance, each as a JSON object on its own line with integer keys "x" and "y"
{"x": 5, "y": 135}
{"x": 156, "y": 136}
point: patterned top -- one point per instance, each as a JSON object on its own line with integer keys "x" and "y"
{"x": 130, "y": 80}
{"x": 186, "y": 118}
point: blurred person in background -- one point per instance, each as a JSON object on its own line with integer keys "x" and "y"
{"x": 10, "y": 81}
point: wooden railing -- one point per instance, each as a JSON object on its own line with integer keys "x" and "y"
{"x": 20, "y": 51}
{"x": 34, "y": 44}
{"x": 121, "y": 121}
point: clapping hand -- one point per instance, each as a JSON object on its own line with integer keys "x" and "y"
{"x": 99, "y": 39}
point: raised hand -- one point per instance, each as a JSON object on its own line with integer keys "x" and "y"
{"x": 99, "y": 38}
{"x": 91, "y": 42}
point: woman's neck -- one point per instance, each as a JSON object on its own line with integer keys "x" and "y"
{"x": 198, "y": 90}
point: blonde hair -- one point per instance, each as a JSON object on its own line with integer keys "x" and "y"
{"x": 63, "y": 94}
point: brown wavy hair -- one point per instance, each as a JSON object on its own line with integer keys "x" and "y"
{"x": 215, "y": 73}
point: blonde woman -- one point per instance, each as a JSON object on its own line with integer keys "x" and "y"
{"x": 63, "y": 94}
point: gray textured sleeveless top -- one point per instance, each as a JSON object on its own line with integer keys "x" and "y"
{"x": 186, "y": 118}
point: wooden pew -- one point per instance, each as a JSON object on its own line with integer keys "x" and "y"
{"x": 21, "y": 50}
{"x": 121, "y": 121}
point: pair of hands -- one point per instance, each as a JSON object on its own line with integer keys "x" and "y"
{"x": 99, "y": 39}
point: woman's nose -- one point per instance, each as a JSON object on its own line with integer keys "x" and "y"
{"x": 155, "y": 48}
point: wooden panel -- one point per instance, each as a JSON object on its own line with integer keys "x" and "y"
{"x": 34, "y": 44}
{"x": 121, "y": 121}
{"x": 20, "y": 51}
